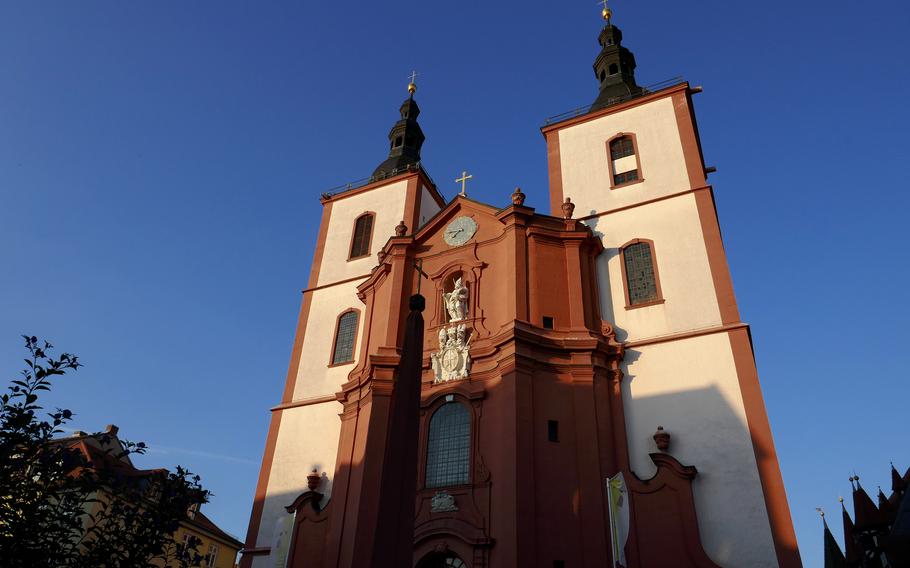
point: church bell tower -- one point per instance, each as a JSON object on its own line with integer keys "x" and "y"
{"x": 585, "y": 392}
{"x": 614, "y": 66}
{"x": 302, "y": 445}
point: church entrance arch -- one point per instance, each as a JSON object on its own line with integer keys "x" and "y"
{"x": 442, "y": 560}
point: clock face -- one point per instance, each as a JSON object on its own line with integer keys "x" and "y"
{"x": 460, "y": 231}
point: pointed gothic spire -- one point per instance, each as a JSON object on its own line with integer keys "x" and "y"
{"x": 867, "y": 514}
{"x": 834, "y": 558}
{"x": 885, "y": 507}
{"x": 897, "y": 482}
{"x": 405, "y": 138}
{"x": 614, "y": 66}
{"x": 849, "y": 544}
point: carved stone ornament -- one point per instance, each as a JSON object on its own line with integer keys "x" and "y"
{"x": 442, "y": 502}
{"x": 453, "y": 360}
{"x": 518, "y": 197}
{"x": 313, "y": 480}
{"x": 568, "y": 208}
{"x": 401, "y": 229}
{"x": 662, "y": 439}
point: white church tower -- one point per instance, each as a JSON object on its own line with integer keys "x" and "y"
{"x": 632, "y": 164}
{"x": 304, "y": 429}
{"x": 669, "y": 356}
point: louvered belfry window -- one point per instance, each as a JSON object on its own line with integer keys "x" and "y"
{"x": 621, "y": 147}
{"x": 363, "y": 230}
{"x": 344, "y": 338}
{"x": 449, "y": 446}
{"x": 624, "y": 171}
{"x": 641, "y": 280}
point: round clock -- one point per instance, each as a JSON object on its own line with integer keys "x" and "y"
{"x": 460, "y": 231}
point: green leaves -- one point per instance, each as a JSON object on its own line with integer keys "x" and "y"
{"x": 60, "y": 509}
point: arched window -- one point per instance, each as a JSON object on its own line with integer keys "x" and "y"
{"x": 614, "y": 69}
{"x": 345, "y": 338}
{"x": 639, "y": 269}
{"x": 363, "y": 234}
{"x": 624, "y": 163}
{"x": 449, "y": 446}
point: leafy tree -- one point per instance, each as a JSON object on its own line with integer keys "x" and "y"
{"x": 59, "y": 508}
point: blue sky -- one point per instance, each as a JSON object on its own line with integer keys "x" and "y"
{"x": 161, "y": 162}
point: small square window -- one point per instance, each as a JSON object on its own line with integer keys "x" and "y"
{"x": 548, "y": 322}
{"x": 553, "y": 430}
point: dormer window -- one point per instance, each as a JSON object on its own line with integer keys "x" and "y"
{"x": 614, "y": 69}
{"x": 625, "y": 167}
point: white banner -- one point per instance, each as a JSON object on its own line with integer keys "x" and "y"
{"x": 619, "y": 518}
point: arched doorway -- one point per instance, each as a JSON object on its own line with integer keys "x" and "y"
{"x": 442, "y": 560}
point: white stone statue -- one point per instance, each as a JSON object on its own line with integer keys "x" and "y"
{"x": 442, "y": 338}
{"x": 453, "y": 361}
{"x": 442, "y": 502}
{"x": 456, "y": 301}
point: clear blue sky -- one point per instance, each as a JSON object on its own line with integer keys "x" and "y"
{"x": 161, "y": 162}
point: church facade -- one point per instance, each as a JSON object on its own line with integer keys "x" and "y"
{"x": 588, "y": 391}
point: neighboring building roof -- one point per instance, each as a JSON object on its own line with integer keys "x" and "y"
{"x": 104, "y": 450}
{"x": 199, "y": 521}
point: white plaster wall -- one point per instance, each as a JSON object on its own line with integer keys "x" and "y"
{"x": 682, "y": 265}
{"x": 585, "y": 160}
{"x": 314, "y": 375}
{"x": 428, "y": 206}
{"x": 307, "y": 438}
{"x": 388, "y": 204}
{"x": 690, "y": 387}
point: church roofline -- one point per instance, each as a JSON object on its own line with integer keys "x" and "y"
{"x": 366, "y": 184}
{"x": 584, "y": 114}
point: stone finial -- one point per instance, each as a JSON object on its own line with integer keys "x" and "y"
{"x": 568, "y": 208}
{"x": 518, "y": 198}
{"x": 313, "y": 480}
{"x": 662, "y": 439}
{"x": 401, "y": 229}
{"x": 380, "y": 256}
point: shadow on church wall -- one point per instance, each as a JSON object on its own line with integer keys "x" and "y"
{"x": 715, "y": 440}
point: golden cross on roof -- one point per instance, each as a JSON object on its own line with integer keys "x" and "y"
{"x": 412, "y": 85}
{"x": 463, "y": 179}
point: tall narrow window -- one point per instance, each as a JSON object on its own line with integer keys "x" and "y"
{"x": 345, "y": 336}
{"x": 363, "y": 234}
{"x": 640, "y": 272}
{"x": 449, "y": 446}
{"x": 624, "y": 163}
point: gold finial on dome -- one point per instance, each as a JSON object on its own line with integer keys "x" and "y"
{"x": 606, "y": 12}
{"x": 412, "y": 86}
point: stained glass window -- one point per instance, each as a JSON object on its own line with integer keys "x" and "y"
{"x": 344, "y": 338}
{"x": 449, "y": 446}
{"x": 363, "y": 230}
{"x": 640, "y": 278}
